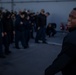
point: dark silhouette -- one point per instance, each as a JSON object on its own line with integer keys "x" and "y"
{"x": 66, "y": 60}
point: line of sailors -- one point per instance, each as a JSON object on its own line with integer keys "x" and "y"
{"x": 20, "y": 27}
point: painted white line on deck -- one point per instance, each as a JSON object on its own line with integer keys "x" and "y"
{"x": 54, "y": 43}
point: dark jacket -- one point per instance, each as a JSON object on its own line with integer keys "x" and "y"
{"x": 7, "y": 24}
{"x": 41, "y": 20}
{"x": 66, "y": 60}
{"x": 18, "y": 26}
{"x": 24, "y": 26}
{"x": 1, "y": 26}
{"x": 1, "y": 30}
